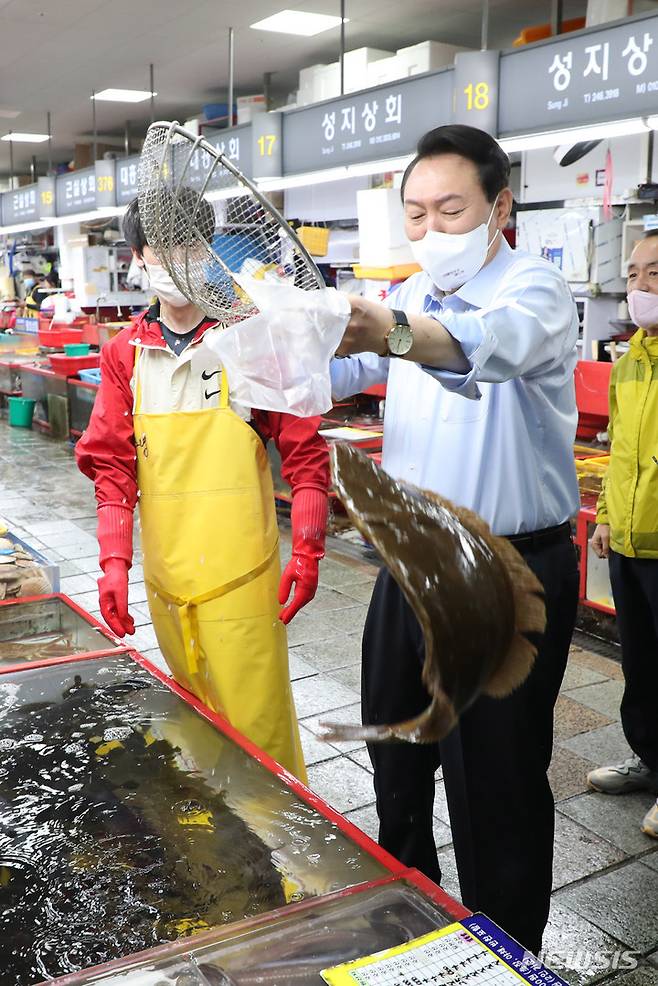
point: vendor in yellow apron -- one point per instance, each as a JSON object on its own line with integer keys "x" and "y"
{"x": 211, "y": 566}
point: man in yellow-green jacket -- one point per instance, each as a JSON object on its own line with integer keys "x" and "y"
{"x": 627, "y": 533}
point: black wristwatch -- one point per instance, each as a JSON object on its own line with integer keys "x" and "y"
{"x": 400, "y": 337}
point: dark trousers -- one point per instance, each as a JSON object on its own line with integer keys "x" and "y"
{"x": 494, "y": 762}
{"x": 635, "y": 589}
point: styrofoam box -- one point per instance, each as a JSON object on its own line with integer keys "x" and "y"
{"x": 249, "y": 106}
{"x": 424, "y": 57}
{"x": 357, "y": 64}
{"x": 382, "y": 239}
{"x": 319, "y": 82}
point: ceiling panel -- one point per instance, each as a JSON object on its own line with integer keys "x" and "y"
{"x": 55, "y": 52}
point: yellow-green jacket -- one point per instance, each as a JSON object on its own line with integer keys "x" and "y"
{"x": 629, "y": 498}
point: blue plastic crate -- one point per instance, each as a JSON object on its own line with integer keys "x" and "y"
{"x": 90, "y": 376}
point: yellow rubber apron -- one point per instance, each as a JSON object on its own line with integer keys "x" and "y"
{"x": 211, "y": 566}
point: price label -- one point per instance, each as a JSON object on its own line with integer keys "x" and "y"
{"x": 105, "y": 183}
{"x": 47, "y": 197}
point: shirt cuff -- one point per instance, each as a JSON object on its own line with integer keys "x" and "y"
{"x": 468, "y": 331}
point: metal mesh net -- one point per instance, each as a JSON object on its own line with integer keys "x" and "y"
{"x": 207, "y": 225}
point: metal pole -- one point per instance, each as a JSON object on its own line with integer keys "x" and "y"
{"x": 231, "y": 77}
{"x": 152, "y": 91}
{"x": 93, "y": 103}
{"x": 484, "y": 41}
{"x": 50, "y": 145}
{"x": 126, "y": 139}
{"x": 11, "y": 162}
{"x": 342, "y": 47}
{"x": 267, "y": 88}
{"x": 556, "y": 16}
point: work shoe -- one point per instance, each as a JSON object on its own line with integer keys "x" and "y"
{"x": 631, "y": 775}
{"x": 650, "y": 822}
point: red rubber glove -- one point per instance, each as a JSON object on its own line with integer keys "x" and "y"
{"x": 309, "y": 526}
{"x": 113, "y": 595}
{"x": 115, "y": 540}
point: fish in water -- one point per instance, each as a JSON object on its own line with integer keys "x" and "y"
{"x": 474, "y": 596}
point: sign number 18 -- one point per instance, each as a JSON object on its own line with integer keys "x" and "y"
{"x": 477, "y": 97}
{"x": 266, "y": 144}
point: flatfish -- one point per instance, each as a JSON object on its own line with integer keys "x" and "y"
{"x": 474, "y": 596}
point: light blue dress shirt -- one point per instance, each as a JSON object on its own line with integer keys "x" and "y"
{"x": 499, "y": 438}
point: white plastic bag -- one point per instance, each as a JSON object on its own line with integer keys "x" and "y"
{"x": 279, "y": 359}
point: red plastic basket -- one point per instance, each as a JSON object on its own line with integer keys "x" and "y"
{"x": 68, "y": 366}
{"x": 59, "y": 337}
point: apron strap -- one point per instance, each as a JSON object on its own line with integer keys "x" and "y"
{"x": 187, "y": 608}
{"x": 223, "y": 388}
{"x": 137, "y": 402}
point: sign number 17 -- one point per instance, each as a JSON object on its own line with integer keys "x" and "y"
{"x": 266, "y": 145}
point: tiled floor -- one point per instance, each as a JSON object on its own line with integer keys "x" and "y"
{"x": 605, "y": 899}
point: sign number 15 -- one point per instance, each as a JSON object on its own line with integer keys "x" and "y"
{"x": 266, "y": 145}
{"x": 477, "y": 97}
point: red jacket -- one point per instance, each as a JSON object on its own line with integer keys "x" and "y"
{"x": 106, "y": 451}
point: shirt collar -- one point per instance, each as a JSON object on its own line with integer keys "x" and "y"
{"x": 479, "y": 291}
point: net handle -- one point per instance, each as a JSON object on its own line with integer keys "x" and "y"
{"x": 201, "y": 142}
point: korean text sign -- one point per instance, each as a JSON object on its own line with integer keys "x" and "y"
{"x": 367, "y": 126}
{"x": 585, "y": 78}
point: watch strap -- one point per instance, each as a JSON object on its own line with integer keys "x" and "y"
{"x": 400, "y": 317}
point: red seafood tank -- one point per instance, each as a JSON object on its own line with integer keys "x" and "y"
{"x": 146, "y": 841}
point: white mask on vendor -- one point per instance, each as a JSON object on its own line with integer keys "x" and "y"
{"x": 163, "y": 285}
{"x": 643, "y": 308}
{"x": 452, "y": 259}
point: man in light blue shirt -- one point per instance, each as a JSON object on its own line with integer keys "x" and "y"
{"x": 478, "y": 355}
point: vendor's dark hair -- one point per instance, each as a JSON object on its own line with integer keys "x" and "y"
{"x": 475, "y": 145}
{"x": 188, "y": 202}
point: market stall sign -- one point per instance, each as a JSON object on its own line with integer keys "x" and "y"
{"x": 21, "y": 205}
{"x": 126, "y": 179}
{"x": 46, "y": 193}
{"x": 589, "y": 77}
{"x": 379, "y": 123}
{"x": 266, "y": 145}
{"x": 106, "y": 195}
{"x": 476, "y": 89}
{"x": 234, "y": 144}
{"x": 75, "y": 192}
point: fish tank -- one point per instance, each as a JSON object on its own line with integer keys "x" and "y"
{"x": 49, "y": 629}
{"x": 131, "y": 818}
{"x": 291, "y": 948}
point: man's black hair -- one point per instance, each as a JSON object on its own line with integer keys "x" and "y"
{"x": 468, "y": 142}
{"x": 189, "y": 203}
{"x": 649, "y": 233}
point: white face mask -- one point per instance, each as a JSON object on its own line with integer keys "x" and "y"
{"x": 643, "y": 309}
{"x": 452, "y": 259}
{"x": 163, "y": 285}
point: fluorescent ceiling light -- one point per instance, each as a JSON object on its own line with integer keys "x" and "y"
{"x": 124, "y": 95}
{"x": 597, "y": 131}
{"x": 298, "y": 22}
{"x": 334, "y": 174}
{"x": 25, "y": 138}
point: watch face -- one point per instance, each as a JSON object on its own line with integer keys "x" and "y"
{"x": 400, "y": 340}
